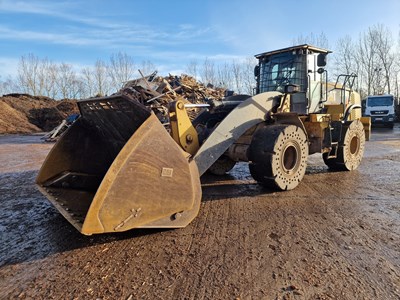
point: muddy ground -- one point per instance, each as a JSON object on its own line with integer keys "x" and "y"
{"x": 336, "y": 236}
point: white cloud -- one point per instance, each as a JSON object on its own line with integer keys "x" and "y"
{"x": 101, "y": 27}
{"x": 31, "y": 7}
{"x": 97, "y": 33}
{"x": 52, "y": 38}
{"x": 115, "y": 36}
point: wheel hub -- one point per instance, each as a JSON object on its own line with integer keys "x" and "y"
{"x": 354, "y": 145}
{"x": 290, "y": 158}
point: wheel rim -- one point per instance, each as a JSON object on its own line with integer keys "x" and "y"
{"x": 290, "y": 158}
{"x": 354, "y": 145}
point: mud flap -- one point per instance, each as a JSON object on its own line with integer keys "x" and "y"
{"x": 117, "y": 168}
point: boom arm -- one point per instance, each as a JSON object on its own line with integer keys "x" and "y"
{"x": 247, "y": 114}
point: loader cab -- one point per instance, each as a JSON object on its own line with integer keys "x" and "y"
{"x": 302, "y": 66}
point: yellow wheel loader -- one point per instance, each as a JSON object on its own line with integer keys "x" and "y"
{"x": 118, "y": 168}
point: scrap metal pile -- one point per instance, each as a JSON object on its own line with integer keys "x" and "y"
{"x": 157, "y": 92}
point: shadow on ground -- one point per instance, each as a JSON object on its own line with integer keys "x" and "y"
{"x": 31, "y": 228}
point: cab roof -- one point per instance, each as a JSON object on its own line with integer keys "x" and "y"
{"x": 289, "y": 49}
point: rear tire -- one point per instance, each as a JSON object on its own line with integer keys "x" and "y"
{"x": 351, "y": 149}
{"x": 278, "y": 156}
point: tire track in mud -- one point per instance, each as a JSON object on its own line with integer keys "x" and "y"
{"x": 221, "y": 253}
{"x": 202, "y": 260}
{"x": 349, "y": 241}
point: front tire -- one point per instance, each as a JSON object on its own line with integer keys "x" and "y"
{"x": 278, "y": 156}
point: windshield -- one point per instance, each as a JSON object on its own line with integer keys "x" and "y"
{"x": 281, "y": 69}
{"x": 380, "y": 101}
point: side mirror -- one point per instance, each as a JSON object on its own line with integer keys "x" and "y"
{"x": 257, "y": 71}
{"x": 321, "y": 60}
{"x": 320, "y": 70}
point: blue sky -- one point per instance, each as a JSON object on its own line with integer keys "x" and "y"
{"x": 172, "y": 33}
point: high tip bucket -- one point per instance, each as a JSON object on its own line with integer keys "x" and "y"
{"x": 117, "y": 168}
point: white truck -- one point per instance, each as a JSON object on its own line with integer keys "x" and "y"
{"x": 381, "y": 109}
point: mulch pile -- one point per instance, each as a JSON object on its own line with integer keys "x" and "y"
{"x": 23, "y": 113}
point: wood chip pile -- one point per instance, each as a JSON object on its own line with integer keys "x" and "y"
{"x": 23, "y": 113}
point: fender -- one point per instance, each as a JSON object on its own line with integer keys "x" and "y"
{"x": 349, "y": 110}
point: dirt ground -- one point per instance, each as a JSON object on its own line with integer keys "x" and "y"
{"x": 336, "y": 236}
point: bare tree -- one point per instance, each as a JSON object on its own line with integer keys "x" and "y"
{"x": 66, "y": 77}
{"x": 346, "y": 60}
{"x": 89, "y": 83}
{"x": 386, "y": 56}
{"x": 147, "y": 67}
{"x": 376, "y": 59}
{"x": 93, "y": 81}
{"x": 37, "y": 76}
{"x": 344, "y": 56}
{"x": 76, "y": 89}
{"x": 49, "y": 77}
{"x": 396, "y": 77}
{"x": 237, "y": 74}
{"x": 366, "y": 57}
{"x": 224, "y": 76}
{"x": 248, "y": 80}
{"x": 28, "y": 74}
{"x": 318, "y": 40}
{"x": 207, "y": 73}
{"x": 8, "y": 86}
{"x": 192, "y": 68}
{"x": 100, "y": 78}
{"x": 121, "y": 69}
{"x": 242, "y": 76}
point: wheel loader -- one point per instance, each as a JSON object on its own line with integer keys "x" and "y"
{"x": 117, "y": 167}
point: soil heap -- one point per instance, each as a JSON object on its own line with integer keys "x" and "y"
{"x": 23, "y": 113}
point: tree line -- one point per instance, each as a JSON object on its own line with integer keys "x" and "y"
{"x": 374, "y": 57}
{"x": 42, "y": 77}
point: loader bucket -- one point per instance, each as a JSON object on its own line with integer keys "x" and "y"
{"x": 117, "y": 168}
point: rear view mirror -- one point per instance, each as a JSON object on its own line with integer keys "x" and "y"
{"x": 321, "y": 60}
{"x": 256, "y": 71}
